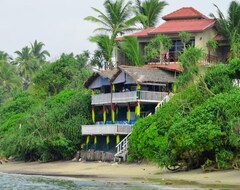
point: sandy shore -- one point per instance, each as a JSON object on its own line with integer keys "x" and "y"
{"x": 126, "y": 172}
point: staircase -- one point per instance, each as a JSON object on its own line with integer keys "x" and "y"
{"x": 163, "y": 101}
{"x": 122, "y": 149}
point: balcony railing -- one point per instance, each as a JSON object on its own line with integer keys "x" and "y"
{"x": 131, "y": 96}
{"x": 114, "y": 129}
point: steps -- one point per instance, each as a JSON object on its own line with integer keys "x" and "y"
{"x": 163, "y": 101}
{"x": 122, "y": 149}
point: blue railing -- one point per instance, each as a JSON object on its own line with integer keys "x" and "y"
{"x": 116, "y": 122}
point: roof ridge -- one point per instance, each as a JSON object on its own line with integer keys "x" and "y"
{"x": 173, "y": 15}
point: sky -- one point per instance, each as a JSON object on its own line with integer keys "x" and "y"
{"x": 60, "y": 24}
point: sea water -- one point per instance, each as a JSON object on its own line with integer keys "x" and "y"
{"x": 28, "y": 182}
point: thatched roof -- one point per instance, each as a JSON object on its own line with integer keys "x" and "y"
{"x": 144, "y": 75}
{"x": 105, "y": 74}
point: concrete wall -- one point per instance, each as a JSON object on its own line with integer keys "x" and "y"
{"x": 201, "y": 39}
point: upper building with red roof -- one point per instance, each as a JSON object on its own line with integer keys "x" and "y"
{"x": 185, "y": 19}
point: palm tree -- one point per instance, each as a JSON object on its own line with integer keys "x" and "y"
{"x": 131, "y": 49}
{"x": 116, "y": 20}
{"x": 38, "y": 52}
{"x": 229, "y": 27}
{"x": 98, "y": 59}
{"x": 149, "y": 12}
{"x": 26, "y": 65}
{"x": 106, "y": 46}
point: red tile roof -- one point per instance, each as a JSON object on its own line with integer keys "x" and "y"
{"x": 184, "y": 13}
{"x": 176, "y": 26}
{"x": 141, "y": 33}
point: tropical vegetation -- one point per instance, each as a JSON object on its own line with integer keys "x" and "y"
{"x": 199, "y": 127}
{"x": 43, "y": 121}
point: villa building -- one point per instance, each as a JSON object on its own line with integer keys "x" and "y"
{"x": 121, "y": 96}
{"x": 189, "y": 20}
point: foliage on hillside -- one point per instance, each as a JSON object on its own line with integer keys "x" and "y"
{"x": 44, "y": 122}
{"x": 196, "y": 128}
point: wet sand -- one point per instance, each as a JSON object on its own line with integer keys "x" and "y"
{"x": 126, "y": 172}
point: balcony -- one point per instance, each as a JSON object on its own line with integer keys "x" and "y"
{"x": 114, "y": 129}
{"x": 131, "y": 96}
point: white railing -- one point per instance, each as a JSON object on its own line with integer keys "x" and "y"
{"x": 131, "y": 96}
{"x": 119, "y": 97}
{"x": 163, "y": 101}
{"x": 122, "y": 147}
{"x": 152, "y": 96}
{"x": 106, "y": 129}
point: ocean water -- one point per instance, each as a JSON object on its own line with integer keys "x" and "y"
{"x": 28, "y": 182}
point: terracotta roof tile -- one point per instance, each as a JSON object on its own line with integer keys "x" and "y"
{"x": 176, "y": 26}
{"x": 140, "y": 33}
{"x": 184, "y": 13}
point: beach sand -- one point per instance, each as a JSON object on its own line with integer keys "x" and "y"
{"x": 126, "y": 172}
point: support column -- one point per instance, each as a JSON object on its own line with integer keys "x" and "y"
{"x": 93, "y": 114}
{"x": 95, "y": 142}
{"x": 128, "y": 113}
{"x": 104, "y": 114}
{"x": 107, "y": 142}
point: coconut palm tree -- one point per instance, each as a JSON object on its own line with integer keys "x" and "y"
{"x": 116, "y": 20}
{"x": 106, "y": 45}
{"x": 26, "y": 65}
{"x": 229, "y": 27}
{"x": 130, "y": 47}
{"x": 149, "y": 12}
{"x": 38, "y": 52}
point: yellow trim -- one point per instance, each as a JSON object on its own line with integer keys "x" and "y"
{"x": 95, "y": 139}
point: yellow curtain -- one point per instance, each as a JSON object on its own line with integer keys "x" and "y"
{"x": 104, "y": 114}
{"x": 87, "y": 139}
{"x": 93, "y": 114}
{"x": 107, "y": 139}
{"x": 138, "y": 87}
{"x": 138, "y": 110}
{"x": 128, "y": 113}
{"x": 113, "y": 88}
{"x": 117, "y": 139}
{"x": 95, "y": 139}
{"x": 113, "y": 113}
